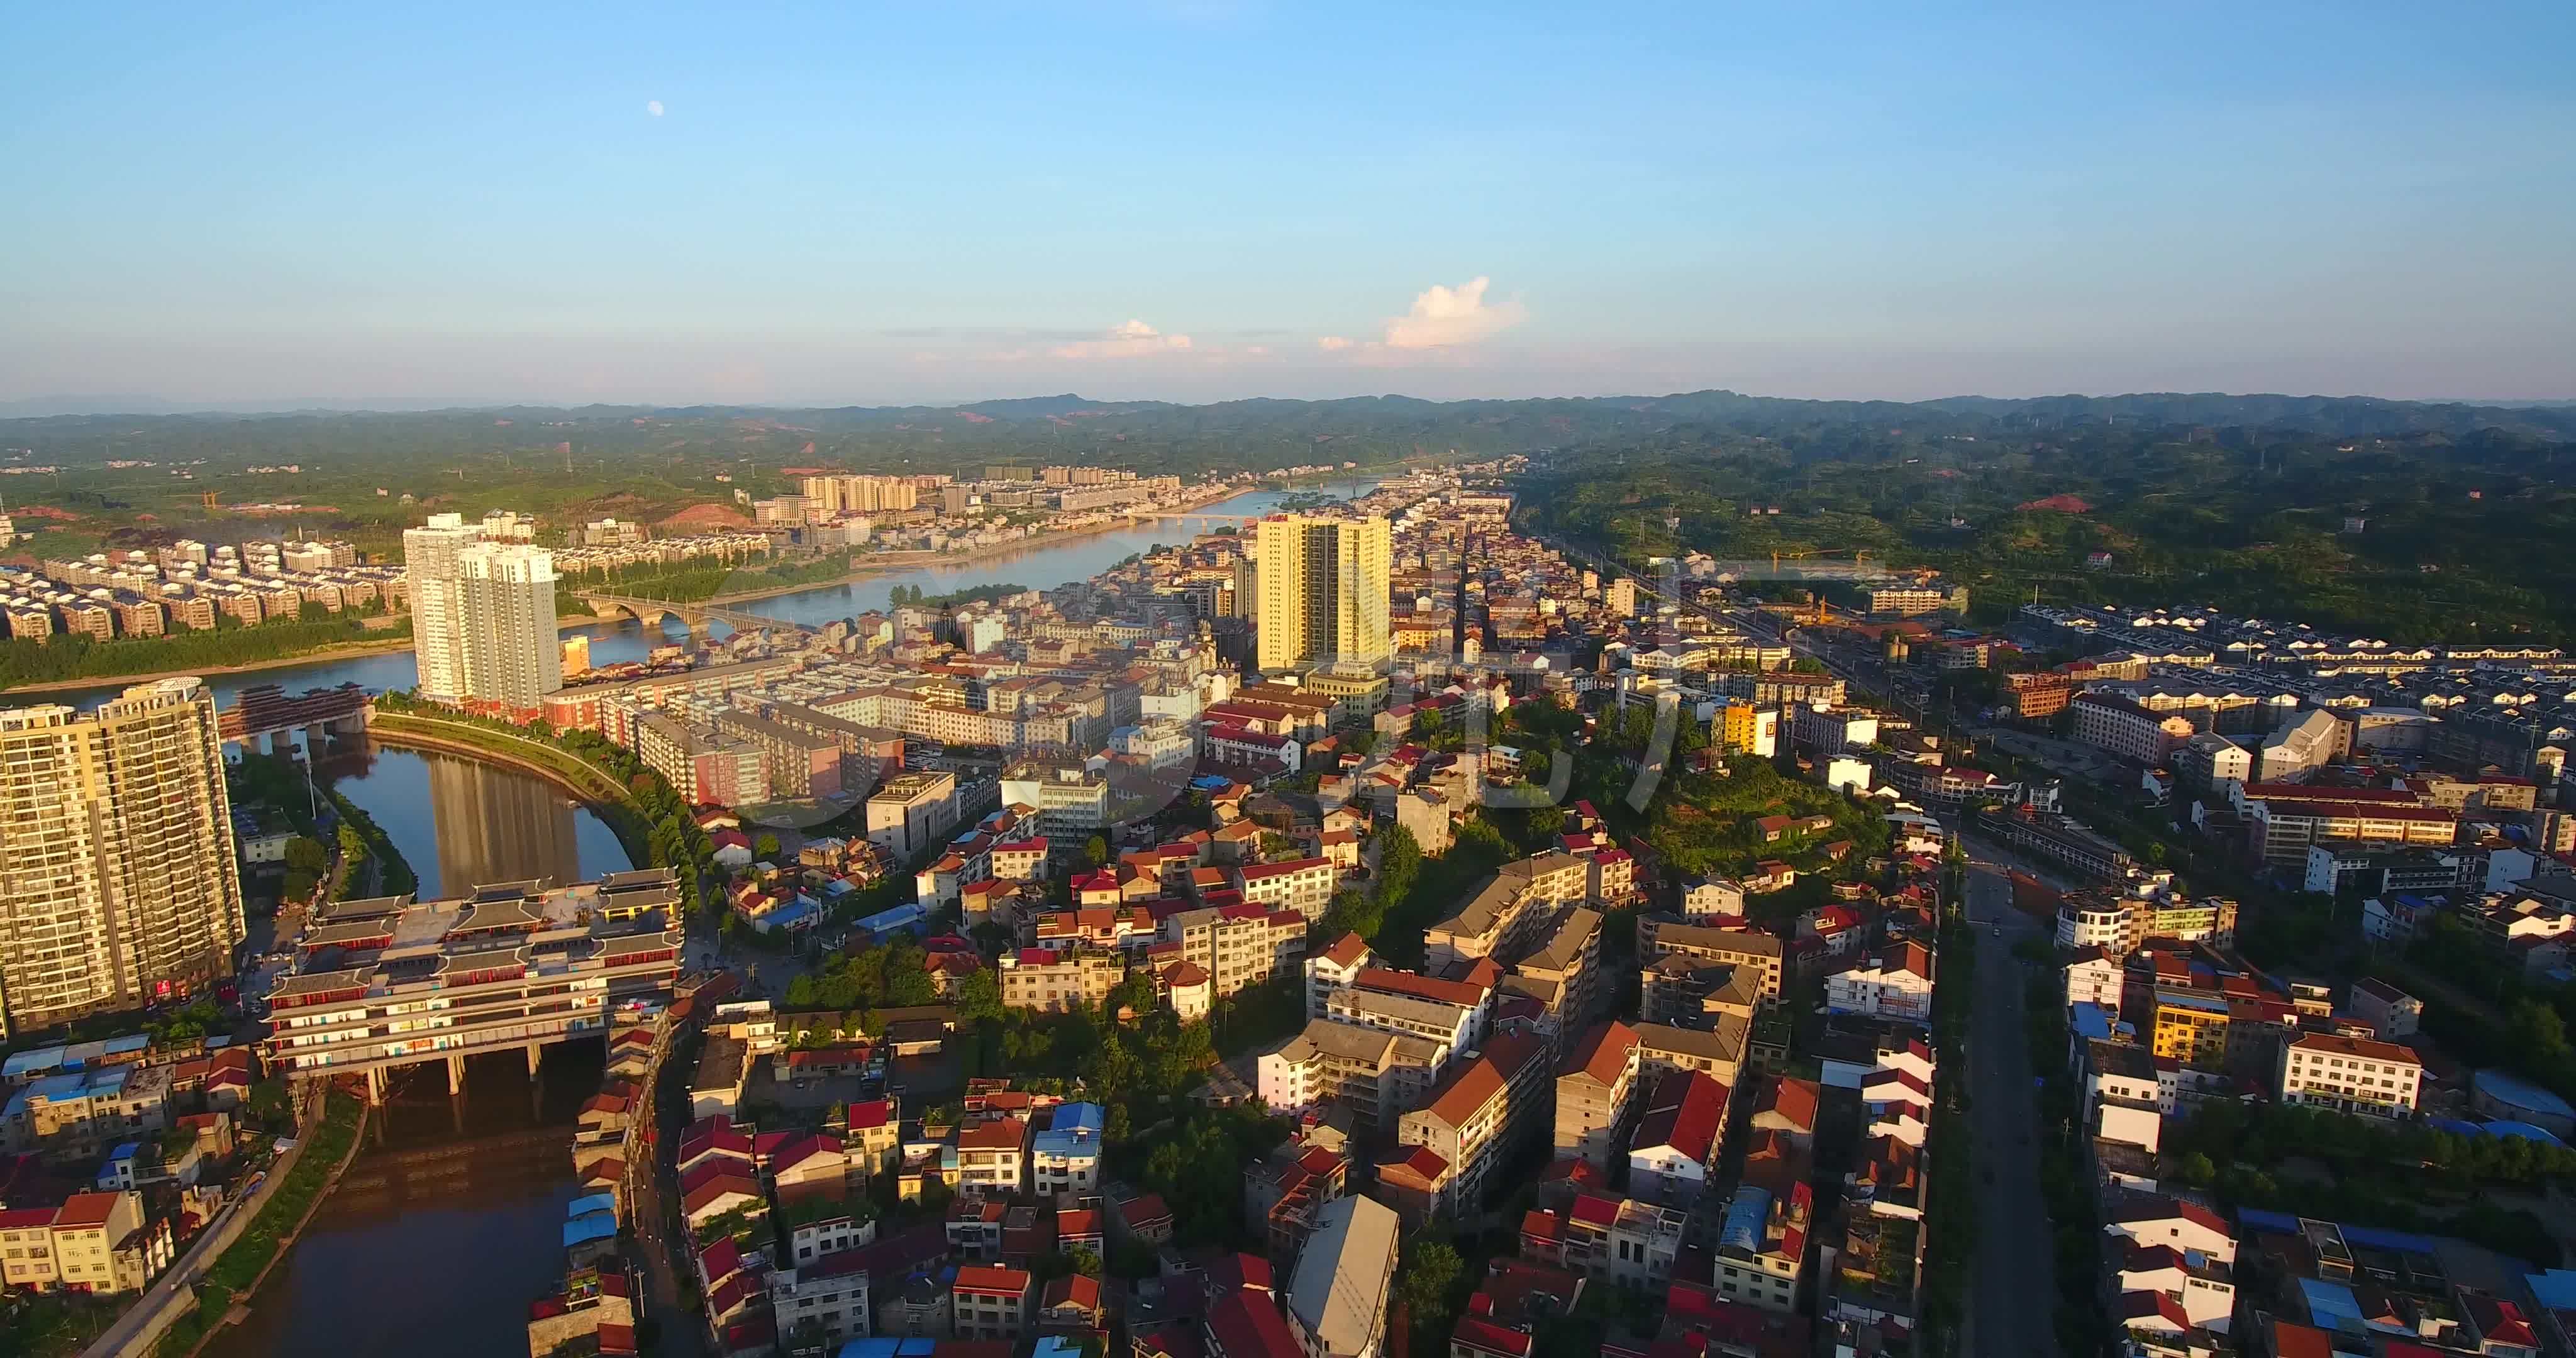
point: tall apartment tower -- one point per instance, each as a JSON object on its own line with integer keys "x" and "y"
{"x": 483, "y": 617}
{"x": 1323, "y": 590}
{"x": 435, "y": 577}
{"x": 118, "y": 885}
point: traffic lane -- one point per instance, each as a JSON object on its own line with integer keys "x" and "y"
{"x": 2012, "y": 1301}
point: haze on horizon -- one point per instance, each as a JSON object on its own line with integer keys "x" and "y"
{"x": 1201, "y": 200}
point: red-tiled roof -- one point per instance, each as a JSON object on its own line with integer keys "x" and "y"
{"x": 1686, "y": 1113}
{"x": 992, "y": 1280}
{"x": 1603, "y": 1052}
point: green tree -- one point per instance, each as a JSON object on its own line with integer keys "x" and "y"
{"x": 1095, "y": 852}
{"x": 1425, "y": 1282}
{"x": 766, "y": 846}
{"x": 979, "y": 996}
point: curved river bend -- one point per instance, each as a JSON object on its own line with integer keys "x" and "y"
{"x": 449, "y": 1222}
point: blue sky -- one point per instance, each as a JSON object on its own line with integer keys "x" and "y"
{"x": 879, "y": 203}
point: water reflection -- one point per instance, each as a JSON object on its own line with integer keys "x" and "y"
{"x": 448, "y": 1223}
{"x": 461, "y": 823}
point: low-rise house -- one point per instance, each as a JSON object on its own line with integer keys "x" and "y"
{"x": 992, "y": 1158}
{"x": 992, "y": 1302}
{"x": 1895, "y": 984}
{"x": 1065, "y": 1158}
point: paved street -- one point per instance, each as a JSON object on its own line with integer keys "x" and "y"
{"x": 2012, "y": 1297}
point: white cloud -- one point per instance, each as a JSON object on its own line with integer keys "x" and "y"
{"x": 1444, "y": 317}
{"x": 654, "y": 107}
{"x": 1130, "y": 339}
{"x": 1329, "y": 343}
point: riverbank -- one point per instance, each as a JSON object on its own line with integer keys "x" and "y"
{"x": 590, "y": 786}
{"x": 323, "y": 656}
{"x": 998, "y": 551}
{"x": 297, "y": 1191}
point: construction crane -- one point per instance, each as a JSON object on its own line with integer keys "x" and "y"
{"x": 1860, "y": 556}
{"x": 1824, "y": 611}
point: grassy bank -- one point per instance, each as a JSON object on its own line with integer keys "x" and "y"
{"x": 637, "y": 803}
{"x": 239, "y": 1268}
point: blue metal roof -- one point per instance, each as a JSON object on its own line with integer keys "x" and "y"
{"x": 596, "y": 1202}
{"x": 2330, "y": 1305}
{"x": 1744, "y": 1218}
{"x": 582, "y": 1230}
{"x": 21, "y": 1065}
{"x": 2513, "y": 1090}
{"x": 1073, "y": 1130}
{"x": 2555, "y": 1289}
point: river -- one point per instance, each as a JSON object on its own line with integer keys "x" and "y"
{"x": 1043, "y": 565}
{"x": 449, "y": 1222}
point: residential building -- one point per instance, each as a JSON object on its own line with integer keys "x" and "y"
{"x": 992, "y": 1302}
{"x": 1758, "y": 954}
{"x": 1762, "y": 1245}
{"x": 1375, "y": 1073}
{"x": 1894, "y": 984}
{"x": 2128, "y": 729}
{"x": 1337, "y": 1297}
{"x": 2094, "y": 976}
{"x": 912, "y": 812}
{"x": 1333, "y": 968}
{"x": 1065, "y": 1158}
{"x": 1474, "y": 1114}
{"x": 1718, "y": 1051}
{"x": 2392, "y": 1013}
{"x": 1594, "y": 1086}
{"x": 1304, "y": 885}
{"x": 1056, "y": 982}
{"x": 2350, "y": 1074}
{"x": 120, "y": 886}
{"x": 1630, "y": 1244}
{"x": 1070, "y": 800}
{"x": 1677, "y": 1142}
{"x": 1323, "y": 588}
{"x": 483, "y": 617}
{"x": 2190, "y": 1027}
{"x": 993, "y": 1158}
{"x": 1239, "y": 945}
{"x": 1509, "y": 910}
{"x": 1711, "y": 900}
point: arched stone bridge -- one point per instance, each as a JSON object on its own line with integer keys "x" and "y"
{"x": 653, "y": 612}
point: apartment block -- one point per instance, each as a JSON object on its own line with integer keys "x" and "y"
{"x": 1595, "y": 1084}
{"x": 913, "y": 812}
{"x": 116, "y": 830}
{"x": 2350, "y": 1075}
{"x": 1758, "y": 954}
{"x": 1509, "y": 911}
{"x": 1304, "y": 885}
{"x": 1473, "y": 1116}
{"x": 1375, "y": 1073}
{"x": 1056, "y": 982}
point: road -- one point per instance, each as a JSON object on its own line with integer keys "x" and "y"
{"x": 2012, "y": 1298}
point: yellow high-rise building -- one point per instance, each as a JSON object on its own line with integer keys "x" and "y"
{"x": 1323, "y": 591}
{"x": 117, "y": 879}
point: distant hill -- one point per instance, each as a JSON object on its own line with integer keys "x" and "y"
{"x": 2312, "y": 414}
